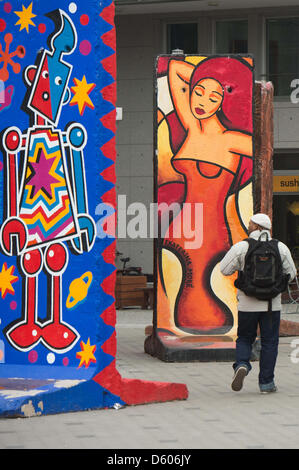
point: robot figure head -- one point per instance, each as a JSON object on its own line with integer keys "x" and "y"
{"x": 48, "y": 81}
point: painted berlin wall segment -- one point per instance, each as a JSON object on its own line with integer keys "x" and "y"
{"x": 48, "y": 225}
{"x": 57, "y": 175}
{"x": 203, "y": 176}
{"x": 51, "y": 160}
{"x": 51, "y": 269}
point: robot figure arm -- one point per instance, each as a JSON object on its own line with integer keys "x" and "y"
{"x": 76, "y": 138}
{"x": 13, "y": 235}
{"x": 12, "y": 142}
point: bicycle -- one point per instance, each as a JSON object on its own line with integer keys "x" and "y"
{"x": 130, "y": 270}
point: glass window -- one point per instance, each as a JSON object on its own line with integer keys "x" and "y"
{"x": 182, "y": 36}
{"x": 282, "y": 53}
{"x": 286, "y": 161}
{"x": 232, "y": 37}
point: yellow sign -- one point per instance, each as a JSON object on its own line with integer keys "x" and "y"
{"x": 286, "y": 183}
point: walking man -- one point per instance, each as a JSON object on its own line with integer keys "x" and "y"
{"x": 253, "y": 312}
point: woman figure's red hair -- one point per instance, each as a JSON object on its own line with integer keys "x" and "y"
{"x": 235, "y": 77}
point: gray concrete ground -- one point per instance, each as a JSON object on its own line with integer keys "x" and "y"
{"x": 213, "y": 416}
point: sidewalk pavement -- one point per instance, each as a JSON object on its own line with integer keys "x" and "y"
{"x": 213, "y": 416}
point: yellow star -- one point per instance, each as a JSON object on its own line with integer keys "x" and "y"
{"x": 25, "y": 17}
{"x": 81, "y": 91}
{"x": 6, "y": 280}
{"x": 86, "y": 354}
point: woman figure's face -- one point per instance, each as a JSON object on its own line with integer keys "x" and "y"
{"x": 206, "y": 98}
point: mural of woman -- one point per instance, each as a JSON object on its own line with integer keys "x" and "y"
{"x": 205, "y": 151}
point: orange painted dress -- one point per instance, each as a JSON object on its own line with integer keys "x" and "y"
{"x": 198, "y": 310}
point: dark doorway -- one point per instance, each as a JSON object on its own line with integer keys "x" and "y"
{"x": 286, "y": 222}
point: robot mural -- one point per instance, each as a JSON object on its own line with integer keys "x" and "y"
{"x": 57, "y": 182}
{"x": 43, "y": 208}
{"x": 47, "y": 227}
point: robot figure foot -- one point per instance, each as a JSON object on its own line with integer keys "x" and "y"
{"x": 24, "y": 335}
{"x": 59, "y": 337}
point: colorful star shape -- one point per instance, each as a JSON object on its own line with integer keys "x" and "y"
{"x": 6, "y": 280}
{"x": 25, "y": 18}
{"x": 81, "y": 91}
{"x": 41, "y": 178}
{"x": 86, "y": 355}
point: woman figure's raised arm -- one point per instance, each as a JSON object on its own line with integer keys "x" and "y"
{"x": 179, "y": 84}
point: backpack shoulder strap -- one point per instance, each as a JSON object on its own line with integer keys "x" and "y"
{"x": 274, "y": 244}
{"x": 252, "y": 243}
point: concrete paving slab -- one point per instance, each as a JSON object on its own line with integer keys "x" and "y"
{"x": 213, "y": 416}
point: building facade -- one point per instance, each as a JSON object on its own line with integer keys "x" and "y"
{"x": 146, "y": 29}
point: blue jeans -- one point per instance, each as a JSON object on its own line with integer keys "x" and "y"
{"x": 269, "y": 333}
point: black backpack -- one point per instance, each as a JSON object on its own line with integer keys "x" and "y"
{"x": 263, "y": 276}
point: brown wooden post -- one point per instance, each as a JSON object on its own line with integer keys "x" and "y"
{"x": 263, "y": 142}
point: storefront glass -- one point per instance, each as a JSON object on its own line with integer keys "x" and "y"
{"x": 182, "y": 36}
{"x": 231, "y": 37}
{"x": 282, "y": 53}
{"x": 286, "y": 201}
{"x": 286, "y": 222}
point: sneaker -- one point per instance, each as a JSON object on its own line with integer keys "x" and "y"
{"x": 269, "y": 390}
{"x": 238, "y": 379}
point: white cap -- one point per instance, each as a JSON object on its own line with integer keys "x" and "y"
{"x": 262, "y": 220}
